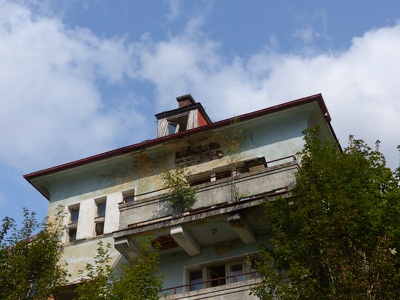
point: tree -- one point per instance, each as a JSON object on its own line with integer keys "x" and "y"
{"x": 29, "y": 264}
{"x": 140, "y": 279}
{"x": 338, "y": 235}
{"x": 97, "y": 281}
{"x": 181, "y": 196}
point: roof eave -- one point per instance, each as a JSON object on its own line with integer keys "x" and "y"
{"x": 149, "y": 143}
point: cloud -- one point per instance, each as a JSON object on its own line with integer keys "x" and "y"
{"x": 52, "y": 108}
{"x": 63, "y": 91}
{"x": 174, "y": 7}
{"x": 359, "y": 84}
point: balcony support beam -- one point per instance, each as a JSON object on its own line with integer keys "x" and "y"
{"x": 241, "y": 228}
{"x": 185, "y": 240}
{"x": 126, "y": 247}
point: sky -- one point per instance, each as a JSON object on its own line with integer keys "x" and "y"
{"x": 81, "y": 77}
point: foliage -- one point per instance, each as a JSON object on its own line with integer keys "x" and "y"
{"x": 338, "y": 235}
{"x": 98, "y": 279}
{"x": 140, "y": 279}
{"x": 181, "y": 196}
{"x": 29, "y": 264}
{"x": 234, "y": 140}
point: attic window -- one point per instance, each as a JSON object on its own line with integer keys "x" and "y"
{"x": 173, "y": 127}
{"x": 177, "y": 124}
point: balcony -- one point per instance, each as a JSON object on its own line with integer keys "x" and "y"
{"x": 230, "y": 205}
{"x": 280, "y": 176}
{"x": 235, "y": 287}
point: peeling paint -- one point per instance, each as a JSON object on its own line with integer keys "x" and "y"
{"x": 224, "y": 247}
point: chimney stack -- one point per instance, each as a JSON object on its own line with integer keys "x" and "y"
{"x": 185, "y": 100}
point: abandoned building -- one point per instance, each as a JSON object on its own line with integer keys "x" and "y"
{"x": 207, "y": 252}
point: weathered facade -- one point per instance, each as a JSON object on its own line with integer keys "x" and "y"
{"x": 234, "y": 165}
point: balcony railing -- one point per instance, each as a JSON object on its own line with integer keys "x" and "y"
{"x": 277, "y": 175}
{"x": 209, "y": 283}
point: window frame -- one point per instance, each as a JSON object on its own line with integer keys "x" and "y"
{"x": 129, "y": 194}
{"x": 72, "y": 226}
{"x": 207, "y": 270}
{"x": 99, "y": 220}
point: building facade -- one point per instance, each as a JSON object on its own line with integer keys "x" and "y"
{"x": 234, "y": 165}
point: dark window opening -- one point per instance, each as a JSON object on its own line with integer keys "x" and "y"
{"x": 223, "y": 174}
{"x": 74, "y": 215}
{"x": 217, "y": 275}
{"x": 129, "y": 196}
{"x": 101, "y": 209}
{"x": 99, "y": 228}
{"x": 236, "y": 271}
{"x": 178, "y": 124}
{"x": 196, "y": 278}
{"x": 72, "y": 234}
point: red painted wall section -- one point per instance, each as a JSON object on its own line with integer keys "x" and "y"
{"x": 200, "y": 119}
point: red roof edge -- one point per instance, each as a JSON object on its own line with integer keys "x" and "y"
{"x": 130, "y": 148}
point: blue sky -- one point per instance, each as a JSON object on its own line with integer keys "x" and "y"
{"x": 79, "y": 78}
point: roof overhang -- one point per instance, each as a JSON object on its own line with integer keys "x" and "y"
{"x": 31, "y": 177}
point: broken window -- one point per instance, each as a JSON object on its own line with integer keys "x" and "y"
{"x": 129, "y": 196}
{"x": 236, "y": 272}
{"x": 177, "y": 124}
{"x": 100, "y": 216}
{"x": 196, "y": 278}
{"x": 251, "y": 165}
{"x": 217, "y": 275}
{"x": 72, "y": 234}
{"x": 221, "y": 274}
{"x": 72, "y": 228}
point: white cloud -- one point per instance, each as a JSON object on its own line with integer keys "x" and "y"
{"x": 51, "y": 107}
{"x": 52, "y": 79}
{"x": 360, "y": 85}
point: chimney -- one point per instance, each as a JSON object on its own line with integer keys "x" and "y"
{"x": 185, "y": 100}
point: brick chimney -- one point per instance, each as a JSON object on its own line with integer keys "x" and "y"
{"x": 185, "y": 100}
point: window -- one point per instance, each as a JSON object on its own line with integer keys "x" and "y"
{"x": 172, "y": 128}
{"x": 236, "y": 271}
{"x": 220, "y": 274}
{"x": 74, "y": 215}
{"x": 251, "y": 165}
{"x": 177, "y": 124}
{"x": 101, "y": 209}
{"x": 196, "y": 278}
{"x": 129, "y": 196}
{"x": 100, "y": 216}
{"x": 72, "y": 228}
{"x": 217, "y": 275}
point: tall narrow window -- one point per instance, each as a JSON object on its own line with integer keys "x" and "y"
{"x": 195, "y": 280}
{"x": 100, "y": 216}
{"x": 72, "y": 227}
{"x": 217, "y": 275}
{"x": 236, "y": 272}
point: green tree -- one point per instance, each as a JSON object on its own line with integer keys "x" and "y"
{"x": 181, "y": 196}
{"x": 29, "y": 264}
{"x": 338, "y": 235}
{"x": 98, "y": 279}
{"x": 140, "y": 279}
